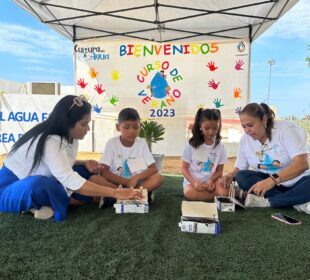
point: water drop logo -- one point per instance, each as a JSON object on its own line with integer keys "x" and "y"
{"x": 241, "y": 47}
{"x": 159, "y": 86}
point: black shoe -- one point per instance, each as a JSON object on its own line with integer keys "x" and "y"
{"x": 106, "y": 202}
{"x": 150, "y": 197}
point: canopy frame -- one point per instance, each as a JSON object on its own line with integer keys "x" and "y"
{"x": 48, "y": 13}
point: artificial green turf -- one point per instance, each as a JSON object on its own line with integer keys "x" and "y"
{"x": 99, "y": 244}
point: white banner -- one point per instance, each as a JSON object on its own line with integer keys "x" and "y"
{"x": 163, "y": 80}
{"x": 20, "y": 112}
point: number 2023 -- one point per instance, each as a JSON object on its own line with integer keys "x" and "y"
{"x": 159, "y": 113}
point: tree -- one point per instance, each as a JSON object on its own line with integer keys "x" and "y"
{"x": 152, "y": 132}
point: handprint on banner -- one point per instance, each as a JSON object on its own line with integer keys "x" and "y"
{"x": 218, "y": 103}
{"x": 238, "y": 110}
{"x": 211, "y": 66}
{"x": 87, "y": 97}
{"x": 114, "y": 99}
{"x": 200, "y": 106}
{"x": 239, "y": 64}
{"x": 93, "y": 73}
{"x": 115, "y": 75}
{"x": 97, "y": 109}
{"x": 237, "y": 92}
{"x": 99, "y": 88}
{"x": 81, "y": 83}
{"x": 213, "y": 84}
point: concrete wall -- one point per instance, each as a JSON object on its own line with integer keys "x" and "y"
{"x": 174, "y": 138}
{"x": 172, "y": 145}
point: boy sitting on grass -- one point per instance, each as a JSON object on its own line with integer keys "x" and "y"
{"x": 130, "y": 155}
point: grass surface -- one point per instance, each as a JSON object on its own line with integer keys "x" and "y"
{"x": 99, "y": 244}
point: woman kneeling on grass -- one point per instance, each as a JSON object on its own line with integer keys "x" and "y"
{"x": 41, "y": 173}
{"x": 277, "y": 152}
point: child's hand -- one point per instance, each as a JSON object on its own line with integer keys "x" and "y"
{"x": 199, "y": 186}
{"x": 132, "y": 182}
{"x": 226, "y": 180}
{"x": 93, "y": 166}
{"x": 210, "y": 186}
{"x": 124, "y": 194}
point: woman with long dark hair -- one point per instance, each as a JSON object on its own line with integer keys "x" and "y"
{"x": 41, "y": 173}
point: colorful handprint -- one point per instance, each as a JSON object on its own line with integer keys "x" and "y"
{"x": 218, "y": 103}
{"x": 238, "y": 110}
{"x": 211, "y": 66}
{"x": 81, "y": 83}
{"x": 115, "y": 75}
{"x": 93, "y": 73}
{"x": 97, "y": 109}
{"x": 239, "y": 64}
{"x": 213, "y": 84}
{"x": 237, "y": 92}
{"x": 114, "y": 99}
{"x": 99, "y": 88}
{"x": 200, "y": 106}
{"x": 87, "y": 97}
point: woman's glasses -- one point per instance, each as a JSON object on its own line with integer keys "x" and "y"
{"x": 78, "y": 101}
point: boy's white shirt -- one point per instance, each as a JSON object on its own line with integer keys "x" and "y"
{"x": 288, "y": 140}
{"x": 57, "y": 162}
{"x": 115, "y": 153}
{"x": 216, "y": 155}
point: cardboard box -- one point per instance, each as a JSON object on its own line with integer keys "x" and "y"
{"x": 121, "y": 208}
{"x": 133, "y": 206}
{"x": 199, "y": 217}
{"x": 195, "y": 227}
{"x": 227, "y": 204}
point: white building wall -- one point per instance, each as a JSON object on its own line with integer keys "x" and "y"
{"x": 7, "y": 86}
{"x": 174, "y": 138}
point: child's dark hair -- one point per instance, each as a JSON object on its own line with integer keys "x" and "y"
{"x": 258, "y": 111}
{"x": 128, "y": 114}
{"x": 201, "y": 116}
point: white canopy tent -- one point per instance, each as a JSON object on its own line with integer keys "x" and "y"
{"x": 130, "y": 38}
{"x": 158, "y": 20}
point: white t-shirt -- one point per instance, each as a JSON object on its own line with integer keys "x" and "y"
{"x": 118, "y": 157}
{"x": 288, "y": 140}
{"x": 203, "y": 160}
{"x": 56, "y": 162}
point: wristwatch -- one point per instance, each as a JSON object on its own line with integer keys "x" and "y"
{"x": 276, "y": 178}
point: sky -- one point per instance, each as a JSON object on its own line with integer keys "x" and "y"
{"x": 24, "y": 41}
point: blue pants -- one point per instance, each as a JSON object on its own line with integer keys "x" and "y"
{"x": 279, "y": 196}
{"x": 35, "y": 191}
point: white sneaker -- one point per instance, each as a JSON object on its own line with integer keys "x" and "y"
{"x": 303, "y": 207}
{"x": 101, "y": 202}
{"x": 256, "y": 201}
{"x": 45, "y": 212}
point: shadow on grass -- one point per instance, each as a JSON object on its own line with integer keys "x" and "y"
{"x": 99, "y": 244}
